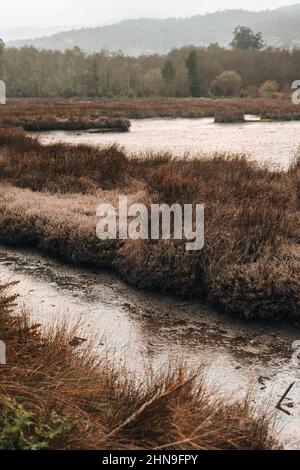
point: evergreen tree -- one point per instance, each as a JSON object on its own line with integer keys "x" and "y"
{"x": 244, "y": 38}
{"x": 169, "y": 74}
{"x": 193, "y": 73}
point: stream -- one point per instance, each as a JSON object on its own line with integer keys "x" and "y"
{"x": 271, "y": 143}
{"x": 139, "y": 328}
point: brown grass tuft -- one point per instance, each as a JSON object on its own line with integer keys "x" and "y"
{"x": 59, "y": 167}
{"x": 54, "y": 396}
{"x": 252, "y": 220}
{"x": 227, "y": 116}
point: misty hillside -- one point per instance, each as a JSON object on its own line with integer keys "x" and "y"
{"x": 280, "y": 27}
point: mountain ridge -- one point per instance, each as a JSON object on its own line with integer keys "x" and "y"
{"x": 279, "y": 27}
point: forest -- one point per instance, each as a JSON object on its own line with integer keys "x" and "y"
{"x": 243, "y": 69}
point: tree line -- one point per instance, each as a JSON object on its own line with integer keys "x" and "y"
{"x": 243, "y": 69}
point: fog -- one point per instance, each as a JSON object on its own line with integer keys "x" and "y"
{"x": 36, "y": 16}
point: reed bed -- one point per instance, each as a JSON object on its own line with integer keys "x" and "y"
{"x": 250, "y": 264}
{"x": 62, "y": 168}
{"x": 42, "y": 124}
{"x": 86, "y": 110}
{"x": 38, "y": 116}
{"x": 229, "y": 116}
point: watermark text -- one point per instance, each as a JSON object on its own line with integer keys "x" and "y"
{"x": 2, "y": 92}
{"x": 159, "y": 221}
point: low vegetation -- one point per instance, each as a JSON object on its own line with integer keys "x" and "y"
{"x": 63, "y": 168}
{"x": 230, "y": 116}
{"x": 41, "y": 118}
{"x": 54, "y": 396}
{"x": 51, "y": 124}
{"x": 118, "y": 111}
{"x": 250, "y": 263}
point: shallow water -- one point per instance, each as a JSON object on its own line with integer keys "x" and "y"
{"x": 274, "y": 143}
{"x": 138, "y": 328}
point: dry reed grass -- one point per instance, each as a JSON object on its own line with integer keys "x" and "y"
{"x": 83, "y": 110}
{"x": 58, "y": 167}
{"x": 248, "y": 266}
{"x": 32, "y": 115}
{"x": 229, "y": 116}
{"x": 54, "y": 396}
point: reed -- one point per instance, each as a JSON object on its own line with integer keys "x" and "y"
{"x": 55, "y": 396}
{"x": 229, "y": 116}
{"x": 249, "y": 265}
{"x": 59, "y": 167}
{"x": 41, "y": 124}
{"x": 92, "y": 110}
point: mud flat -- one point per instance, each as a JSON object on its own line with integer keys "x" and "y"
{"x": 139, "y": 328}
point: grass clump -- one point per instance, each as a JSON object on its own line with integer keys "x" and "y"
{"x": 40, "y": 116}
{"x": 229, "y": 116}
{"x": 59, "y": 167}
{"x": 250, "y": 262}
{"x": 54, "y": 396}
{"x": 51, "y": 124}
{"x": 54, "y": 110}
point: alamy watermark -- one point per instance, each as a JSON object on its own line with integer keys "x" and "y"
{"x": 2, "y": 353}
{"x": 296, "y": 93}
{"x": 2, "y": 92}
{"x": 158, "y": 221}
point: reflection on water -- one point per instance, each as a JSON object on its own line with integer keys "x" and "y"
{"x": 140, "y": 327}
{"x": 274, "y": 143}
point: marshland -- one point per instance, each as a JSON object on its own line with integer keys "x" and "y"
{"x": 141, "y": 344}
{"x": 249, "y": 269}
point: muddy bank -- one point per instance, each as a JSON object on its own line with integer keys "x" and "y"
{"x": 139, "y": 327}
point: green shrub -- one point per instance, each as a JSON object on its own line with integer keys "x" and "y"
{"x": 19, "y": 430}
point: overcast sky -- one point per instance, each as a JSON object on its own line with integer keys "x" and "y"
{"x": 40, "y": 13}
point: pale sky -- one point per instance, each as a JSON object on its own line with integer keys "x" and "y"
{"x": 16, "y": 14}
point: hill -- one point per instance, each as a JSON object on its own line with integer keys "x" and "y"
{"x": 280, "y": 28}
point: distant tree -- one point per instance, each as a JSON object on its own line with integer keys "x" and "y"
{"x": 193, "y": 73}
{"x": 95, "y": 75}
{"x": 228, "y": 83}
{"x": 251, "y": 90}
{"x": 30, "y": 72}
{"x": 269, "y": 89}
{"x": 245, "y": 38}
{"x": 214, "y": 46}
{"x": 152, "y": 82}
{"x": 169, "y": 74}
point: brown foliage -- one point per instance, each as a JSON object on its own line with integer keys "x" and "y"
{"x": 251, "y": 220}
{"x": 229, "y": 116}
{"x": 81, "y": 111}
{"x": 101, "y": 407}
{"x": 59, "y": 167}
